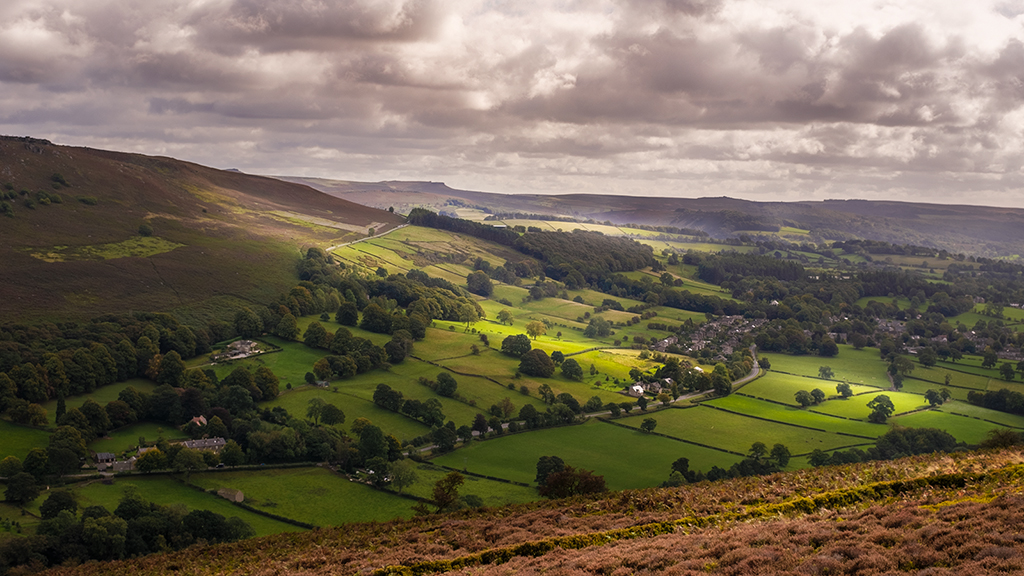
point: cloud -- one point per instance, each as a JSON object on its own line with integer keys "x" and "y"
{"x": 790, "y": 99}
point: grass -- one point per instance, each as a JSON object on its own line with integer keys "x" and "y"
{"x": 965, "y": 409}
{"x": 314, "y": 495}
{"x": 127, "y": 439}
{"x": 963, "y": 428}
{"x": 789, "y": 415}
{"x": 783, "y": 387}
{"x": 101, "y": 395}
{"x": 19, "y": 440}
{"x": 167, "y": 491}
{"x": 716, "y": 428}
{"x": 856, "y": 407}
{"x": 134, "y": 247}
{"x": 855, "y": 366}
{"x": 296, "y": 401}
{"x": 626, "y": 458}
{"x": 492, "y": 492}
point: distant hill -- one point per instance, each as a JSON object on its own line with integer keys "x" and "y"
{"x": 976, "y": 230}
{"x": 89, "y": 231}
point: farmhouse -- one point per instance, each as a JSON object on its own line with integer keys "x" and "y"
{"x": 213, "y": 444}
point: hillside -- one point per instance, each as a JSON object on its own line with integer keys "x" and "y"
{"x": 945, "y": 514}
{"x": 977, "y": 230}
{"x": 73, "y": 245}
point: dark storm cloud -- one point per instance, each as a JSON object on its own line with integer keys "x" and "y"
{"x": 662, "y": 96}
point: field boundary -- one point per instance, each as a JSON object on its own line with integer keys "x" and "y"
{"x": 601, "y": 419}
{"x": 982, "y": 419}
{"x": 790, "y": 423}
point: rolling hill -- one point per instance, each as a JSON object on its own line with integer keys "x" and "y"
{"x": 89, "y": 232}
{"x": 974, "y": 230}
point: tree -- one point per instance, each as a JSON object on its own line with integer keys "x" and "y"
{"x": 445, "y": 494}
{"x": 247, "y": 323}
{"x": 315, "y": 335}
{"x": 828, "y": 347}
{"x": 572, "y": 482}
{"x": 881, "y": 408}
{"x": 56, "y": 502}
{"x": 546, "y": 466}
{"x": 403, "y": 474}
{"x": 535, "y": 329}
{"x": 469, "y": 315}
{"x": 1006, "y": 371}
{"x": 764, "y": 363}
{"x": 933, "y": 397}
{"x": 844, "y": 390}
{"x": 536, "y": 363}
{"x": 232, "y": 454}
{"x": 21, "y": 489}
{"x": 720, "y": 380}
{"x": 151, "y": 460}
{"x": 818, "y": 396}
{"x": 648, "y": 425}
{"x": 572, "y": 370}
{"x": 376, "y": 319}
{"x": 347, "y": 314}
{"x": 446, "y": 385}
{"x": 825, "y": 372}
{"x": 927, "y": 356}
{"x": 479, "y": 283}
{"x": 989, "y": 358}
{"x": 332, "y": 415}
{"x": 287, "y": 327}
{"x": 804, "y": 398}
{"x": 314, "y": 408}
{"x": 758, "y": 451}
{"x": 642, "y": 403}
{"x": 779, "y": 455}
{"x": 172, "y": 369}
{"x": 188, "y": 461}
{"x": 10, "y": 466}
{"x": 506, "y": 317}
{"x": 516, "y": 345}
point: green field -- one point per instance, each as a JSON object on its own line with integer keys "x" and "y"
{"x": 801, "y": 417}
{"x": 855, "y": 366}
{"x": 127, "y": 439}
{"x": 992, "y": 416}
{"x": 492, "y": 492}
{"x": 19, "y": 440}
{"x": 962, "y": 428}
{"x": 296, "y": 402}
{"x": 783, "y": 387}
{"x": 716, "y": 428}
{"x": 856, "y": 407}
{"x": 626, "y": 458}
{"x": 167, "y": 491}
{"x": 313, "y": 495}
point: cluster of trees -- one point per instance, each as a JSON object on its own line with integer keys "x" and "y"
{"x": 556, "y": 479}
{"x": 47, "y": 361}
{"x": 899, "y": 442}
{"x": 760, "y": 460}
{"x": 69, "y": 533}
{"x": 1003, "y": 400}
{"x": 428, "y": 411}
{"x": 723, "y": 266}
{"x": 580, "y": 258}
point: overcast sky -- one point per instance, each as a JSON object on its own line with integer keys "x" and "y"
{"x": 766, "y": 100}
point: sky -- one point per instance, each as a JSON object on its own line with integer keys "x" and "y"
{"x": 778, "y": 100}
